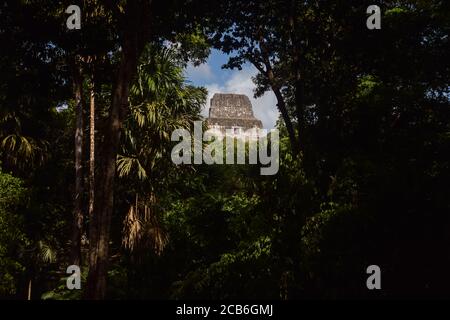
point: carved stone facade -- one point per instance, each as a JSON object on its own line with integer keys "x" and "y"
{"x": 233, "y": 112}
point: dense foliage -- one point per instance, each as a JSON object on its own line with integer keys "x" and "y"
{"x": 364, "y": 144}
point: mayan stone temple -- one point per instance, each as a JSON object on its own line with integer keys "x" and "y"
{"x": 234, "y": 112}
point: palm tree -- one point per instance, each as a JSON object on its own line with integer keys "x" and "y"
{"x": 161, "y": 102}
{"x": 16, "y": 148}
{"x": 40, "y": 254}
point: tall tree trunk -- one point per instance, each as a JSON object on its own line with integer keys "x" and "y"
{"x": 75, "y": 252}
{"x": 281, "y": 104}
{"x": 287, "y": 120}
{"x": 100, "y": 226}
{"x": 136, "y": 31}
{"x": 298, "y": 81}
{"x": 29, "y": 289}
{"x": 92, "y": 148}
{"x": 299, "y": 100}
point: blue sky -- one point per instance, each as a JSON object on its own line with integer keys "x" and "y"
{"x": 215, "y": 79}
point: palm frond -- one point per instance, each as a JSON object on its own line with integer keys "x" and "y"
{"x": 46, "y": 253}
{"x": 141, "y": 228}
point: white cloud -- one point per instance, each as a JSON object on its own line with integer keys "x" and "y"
{"x": 202, "y": 72}
{"x": 241, "y": 82}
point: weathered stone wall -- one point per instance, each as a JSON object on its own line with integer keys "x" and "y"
{"x": 230, "y": 105}
{"x": 229, "y": 110}
{"x": 229, "y": 123}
